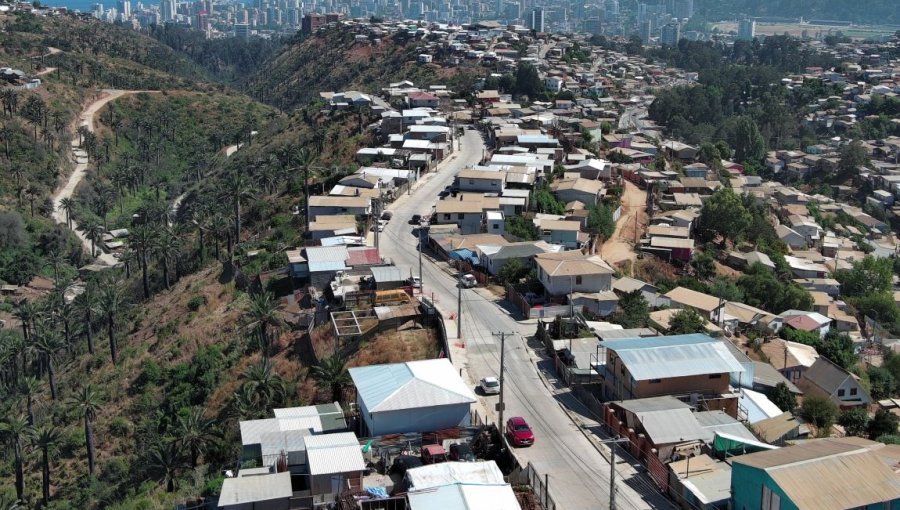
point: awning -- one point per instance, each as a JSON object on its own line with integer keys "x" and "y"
{"x": 732, "y": 445}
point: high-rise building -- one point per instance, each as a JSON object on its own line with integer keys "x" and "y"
{"x": 242, "y": 31}
{"x": 125, "y": 8}
{"x": 671, "y": 33}
{"x": 168, "y": 10}
{"x": 645, "y": 31}
{"x": 747, "y": 29}
{"x": 683, "y": 9}
{"x": 593, "y": 25}
{"x": 537, "y": 19}
{"x": 312, "y": 22}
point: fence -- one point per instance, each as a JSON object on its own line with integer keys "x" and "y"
{"x": 535, "y": 311}
{"x": 539, "y": 485}
{"x": 431, "y": 310}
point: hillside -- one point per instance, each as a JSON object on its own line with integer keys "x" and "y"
{"x": 332, "y": 60}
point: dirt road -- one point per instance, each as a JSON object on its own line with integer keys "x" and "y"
{"x": 620, "y": 247}
{"x": 67, "y": 190}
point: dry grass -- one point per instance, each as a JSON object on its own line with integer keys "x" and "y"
{"x": 396, "y": 347}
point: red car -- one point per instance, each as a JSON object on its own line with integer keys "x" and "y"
{"x": 518, "y": 432}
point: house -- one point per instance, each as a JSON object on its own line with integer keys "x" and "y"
{"x": 586, "y": 191}
{"x": 741, "y": 260}
{"x": 566, "y": 272}
{"x": 661, "y": 321}
{"x": 690, "y": 365}
{"x": 741, "y": 316}
{"x": 323, "y": 263}
{"x": 801, "y": 320}
{"x": 826, "y": 379}
{"x": 494, "y": 257}
{"x": 600, "y": 304}
{"x": 460, "y": 486}
{"x": 562, "y": 232}
{"x": 824, "y": 474}
{"x": 792, "y": 359}
{"x": 331, "y": 205}
{"x": 675, "y": 248}
{"x": 790, "y": 237}
{"x": 706, "y": 305}
{"x": 665, "y": 421}
{"x": 679, "y": 150}
{"x": 334, "y": 464}
{"x": 252, "y": 491}
{"x": 766, "y": 378}
{"x": 779, "y": 429}
{"x": 593, "y": 169}
{"x": 422, "y": 100}
{"x": 467, "y": 214}
{"x": 481, "y": 181}
{"x": 805, "y": 268}
{"x": 416, "y": 396}
{"x": 332, "y": 225}
{"x": 701, "y": 482}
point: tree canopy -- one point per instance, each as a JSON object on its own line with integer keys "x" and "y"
{"x": 686, "y": 321}
{"x": 723, "y": 215}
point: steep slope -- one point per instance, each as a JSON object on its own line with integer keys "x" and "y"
{"x": 333, "y": 60}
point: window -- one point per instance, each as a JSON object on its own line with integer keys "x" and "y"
{"x": 446, "y": 216}
{"x": 471, "y": 181}
{"x": 770, "y": 500}
{"x": 578, "y": 280}
{"x": 841, "y": 393}
{"x": 496, "y": 226}
{"x": 460, "y": 216}
{"x": 853, "y": 391}
{"x": 715, "y": 376}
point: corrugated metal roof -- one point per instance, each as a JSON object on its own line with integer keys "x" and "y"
{"x": 465, "y": 497}
{"x": 674, "y": 356}
{"x": 847, "y": 481}
{"x": 445, "y": 473}
{"x": 383, "y": 274}
{"x": 253, "y": 430}
{"x": 645, "y": 405}
{"x": 249, "y": 489}
{"x": 326, "y": 258}
{"x": 273, "y": 443}
{"x": 671, "y": 426}
{"x": 334, "y": 453}
{"x": 410, "y": 385}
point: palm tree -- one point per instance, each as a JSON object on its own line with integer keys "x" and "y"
{"x": 6, "y": 133}
{"x": 111, "y": 301}
{"x": 194, "y": 433}
{"x": 142, "y": 240}
{"x": 46, "y": 343}
{"x": 166, "y": 459}
{"x": 65, "y": 314}
{"x": 168, "y": 248}
{"x": 34, "y": 192}
{"x": 87, "y": 304}
{"x": 30, "y": 387}
{"x": 67, "y": 204}
{"x": 237, "y": 189}
{"x": 26, "y": 314}
{"x": 9, "y": 502}
{"x": 87, "y": 402}
{"x": 331, "y": 374}
{"x": 14, "y": 430}
{"x": 263, "y": 314}
{"x": 93, "y": 231}
{"x": 264, "y": 384}
{"x": 56, "y": 259}
{"x": 45, "y": 439}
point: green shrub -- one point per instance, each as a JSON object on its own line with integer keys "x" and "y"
{"x": 196, "y": 302}
{"x": 119, "y": 427}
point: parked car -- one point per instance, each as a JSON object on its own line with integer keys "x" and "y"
{"x": 416, "y": 219}
{"x": 387, "y": 215}
{"x": 490, "y": 385}
{"x": 403, "y": 463}
{"x": 433, "y": 454}
{"x": 415, "y": 282}
{"x": 467, "y": 281}
{"x": 518, "y": 432}
{"x": 460, "y": 452}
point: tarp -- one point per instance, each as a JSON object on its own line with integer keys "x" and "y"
{"x": 730, "y": 445}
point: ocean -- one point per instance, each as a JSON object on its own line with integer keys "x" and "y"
{"x": 85, "y": 5}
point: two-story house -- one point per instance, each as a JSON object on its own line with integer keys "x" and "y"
{"x": 562, "y": 232}
{"x": 331, "y": 205}
{"x": 586, "y": 191}
{"x": 826, "y": 379}
{"x": 481, "y": 181}
{"x": 691, "y": 367}
{"x": 567, "y": 272}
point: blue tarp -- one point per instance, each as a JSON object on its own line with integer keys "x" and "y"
{"x": 466, "y": 255}
{"x": 377, "y": 492}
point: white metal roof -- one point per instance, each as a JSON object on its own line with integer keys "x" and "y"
{"x": 410, "y": 385}
{"x": 465, "y": 497}
{"x": 250, "y": 489}
{"x": 445, "y": 473}
{"x": 334, "y": 453}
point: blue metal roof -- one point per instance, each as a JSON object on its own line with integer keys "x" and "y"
{"x": 674, "y": 356}
{"x": 465, "y": 254}
{"x": 375, "y": 383}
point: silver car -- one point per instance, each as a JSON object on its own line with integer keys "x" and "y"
{"x": 490, "y": 386}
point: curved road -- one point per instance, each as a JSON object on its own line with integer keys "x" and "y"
{"x": 86, "y": 118}
{"x": 578, "y": 474}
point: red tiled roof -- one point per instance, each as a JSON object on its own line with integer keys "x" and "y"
{"x": 422, "y": 96}
{"x": 362, "y": 256}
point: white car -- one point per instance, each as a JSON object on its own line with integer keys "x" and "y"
{"x": 415, "y": 282}
{"x": 490, "y": 386}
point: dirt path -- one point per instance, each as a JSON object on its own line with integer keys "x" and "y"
{"x": 620, "y": 247}
{"x": 45, "y": 71}
{"x": 67, "y": 190}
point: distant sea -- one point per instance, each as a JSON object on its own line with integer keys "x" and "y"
{"x": 85, "y": 5}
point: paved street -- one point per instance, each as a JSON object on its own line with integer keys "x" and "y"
{"x": 579, "y": 475}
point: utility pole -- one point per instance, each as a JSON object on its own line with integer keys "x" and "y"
{"x": 421, "y": 248}
{"x": 612, "y": 468}
{"x": 459, "y": 287}
{"x": 500, "y": 405}
{"x": 376, "y": 214}
{"x": 306, "y": 196}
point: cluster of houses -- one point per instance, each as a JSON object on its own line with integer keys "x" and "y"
{"x": 312, "y": 456}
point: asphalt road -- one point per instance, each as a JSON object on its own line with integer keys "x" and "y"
{"x": 578, "y": 474}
